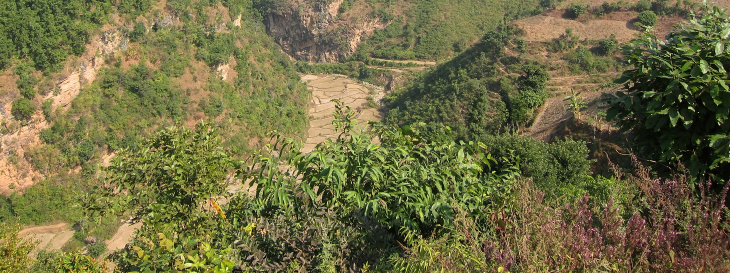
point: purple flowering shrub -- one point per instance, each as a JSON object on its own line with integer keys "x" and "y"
{"x": 672, "y": 227}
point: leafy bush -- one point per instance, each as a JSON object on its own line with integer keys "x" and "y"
{"x": 642, "y": 5}
{"x": 549, "y": 4}
{"x": 179, "y": 169}
{"x": 671, "y": 97}
{"x": 22, "y": 109}
{"x": 474, "y": 94}
{"x": 647, "y": 18}
{"x": 15, "y": 251}
{"x": 607, "y": 47}
{"x": 564, "y": 42}
{"x": 48, "y": 40}
{"x": 670, "y": 228}
{"x": 67, "y": 262}
{"x": 96, "y": 249}
{"x": 397, "y": 185}
{"x": 582, "y": 57}
{"x": 137, "y": 32}
{"x": 164, "y": 254}
{"x": 606, "y": 8}
{"x": 575, "y": 10}
{"x": 560, "y": 168}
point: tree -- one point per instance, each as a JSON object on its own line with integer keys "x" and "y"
{"x": 172, "y": 176}
{"x": 607, "y": 47}
{"x": 576, "y": 10}
{"x": 576, "y": 103}
{"x": 642, "y": 5}
{"x": 647, "y": 18}
{"x": 22, "y": 109}
{"x": 677, "y": 99}
{"x": 14, "y": 250}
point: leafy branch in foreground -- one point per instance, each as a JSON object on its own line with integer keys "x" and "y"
{"x": 408, "y": 183}
{"x": 168, "y": 182}
{"x": 677, "y": 99}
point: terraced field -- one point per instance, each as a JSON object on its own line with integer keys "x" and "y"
{"x": 328, "y": 88}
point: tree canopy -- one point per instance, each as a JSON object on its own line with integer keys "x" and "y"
{"x": 677, "y": 99}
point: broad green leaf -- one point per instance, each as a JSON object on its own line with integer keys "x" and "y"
{"x": 725, "y": 33}
{"x": 704, "y": 66}
{"x": 719, "y": 48}
{"x": 673, "y": 117}
{"x": 720, "y": 67}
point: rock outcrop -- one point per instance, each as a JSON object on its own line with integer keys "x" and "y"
{"x": 311, "y": 30}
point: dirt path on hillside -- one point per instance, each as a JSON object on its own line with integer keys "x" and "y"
{"x": 124, "y": 235}
{"x": 325, "y": 89}
{"x": 421, "y": 63}
{"x": 49, "y": 237}
{"x": 556, "y": 111}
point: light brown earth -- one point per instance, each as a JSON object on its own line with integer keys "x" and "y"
{"x": 124, "y": 235}
{"x": 551, "y": 24}
{"x": 49, "y": 237}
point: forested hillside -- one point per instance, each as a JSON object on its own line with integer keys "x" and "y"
{"x": 183, "y": 121}
{"x": 175, "y": 64}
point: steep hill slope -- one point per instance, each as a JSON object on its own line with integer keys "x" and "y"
{"x": 331, "y": 31}
{"x": 162, "y": 63}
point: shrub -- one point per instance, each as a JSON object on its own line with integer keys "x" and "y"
{"x": 22, "y": 109}
{"x": 647, "y": 18}
{"x": 174, "y": 254}
{"x": 670, "y": 228}
{"x": 671, "y": 97}
{"x": 607, "y": 8}
{"x": 576, "y": 10}
{"x": 15, "y": 251}
{"x": 583, "y": 58}
{"x": 559, "y": 168}
{"x": 96, "y": 249}
{"x": 642, "y": 5}
{"x": 137, "y": 32}
{"x": 564, "y": 42}
{"x": 608, "y": 46}
{"x": 67, "y": 262}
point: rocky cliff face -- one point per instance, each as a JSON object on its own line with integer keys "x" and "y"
{"x": 311, "y": 30}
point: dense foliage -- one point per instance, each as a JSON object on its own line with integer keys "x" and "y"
{"x": 647, "y": 18}
{"x": 176, "y": 171}
{"x": 167, "y": 75}
{"x": 444, "y": 185}
{"x": 480, "y": 92}
{"x": 421, "y": 32}
{"x": 48, "y": 31}
{"x": 355, "y": 205}
{"x": 15, "y": 251}
{"x": 677, "y": 101}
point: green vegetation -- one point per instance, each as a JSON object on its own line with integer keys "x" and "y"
{"x": 449, "y": 184}
{"x": 421, "y": 32}
{"x": 22, "y": 109}
{"x": 480, "y": 92}
{"x": 642, "y": 5}
{"x": 576, "y": 10}
{"x": 14, "y": 250}
{"x": 47, "y": 32}
{"x": 352, "y": 204}
{"x": 646, "y": 18}
{"x": 131, "y": 99}
{"x": 677, "y": 105}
